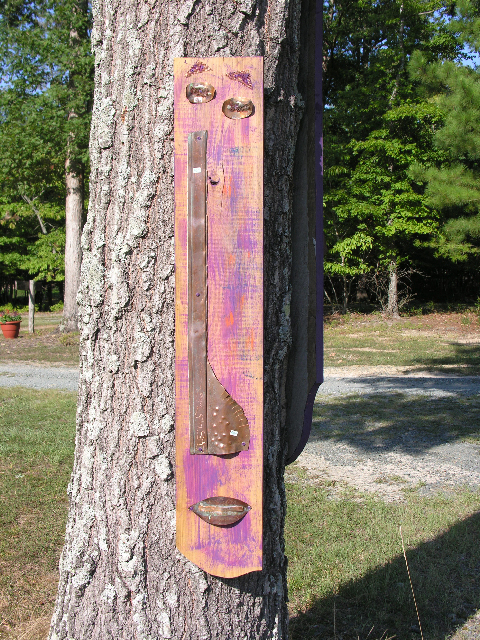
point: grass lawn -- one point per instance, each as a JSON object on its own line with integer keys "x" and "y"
{"x": 347, "y": 575}
{"x": 36, "y": 456}
{"x": 435, "y": 342}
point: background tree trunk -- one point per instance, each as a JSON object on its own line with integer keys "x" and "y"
{"x": 74, "y": 177}
{"x": 73, "y": 249}
{"x": 392, "y": 304}
{"x": 121, "y": 575}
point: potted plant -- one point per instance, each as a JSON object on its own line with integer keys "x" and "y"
{"x": 10, "y": 323}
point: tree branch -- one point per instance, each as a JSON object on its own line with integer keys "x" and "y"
{"x": 37, "y": 213}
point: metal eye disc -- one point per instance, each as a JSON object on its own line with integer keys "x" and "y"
{"x": 198, "y": 92}
{"x": 237, "y": 108}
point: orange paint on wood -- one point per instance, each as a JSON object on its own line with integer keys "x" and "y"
{"x": 235, "y": 311}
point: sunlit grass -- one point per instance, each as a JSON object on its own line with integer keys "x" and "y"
{"x": 433, "y": 343}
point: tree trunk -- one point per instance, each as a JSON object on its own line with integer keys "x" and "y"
{"x": 73, "y": 249}
{"x": 392, "y": 304}
{"x": 74, "y": 173}
{"x": 121, "y": 576}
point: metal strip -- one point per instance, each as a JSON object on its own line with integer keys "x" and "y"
{"x": 197, "y": 289}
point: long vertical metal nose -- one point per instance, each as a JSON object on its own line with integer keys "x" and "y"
{"x": 218, "y": 424}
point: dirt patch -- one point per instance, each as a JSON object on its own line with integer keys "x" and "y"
{"x": 26, "y": 603}
{"x": 470, "y": 630}
{"x": 354, "y": 371}
{"x": 388, "y": 475}
{"x": 468, "y": 321}
{"x": 44, "y": 346}
{"x": 34, "y": 629}
{"x": 371, "y": 349}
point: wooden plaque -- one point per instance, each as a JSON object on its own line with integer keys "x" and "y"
{"x": 219, "y": 312}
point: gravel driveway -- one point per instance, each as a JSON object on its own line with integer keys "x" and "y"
{"x": 426, "y": 460}
{"x": 385, "y": 471}
{"x": 38, "y": 377}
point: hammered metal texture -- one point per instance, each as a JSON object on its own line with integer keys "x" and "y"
{"x": 227, "y": 426}
{"x": 221, "y": 511}
{"x": 238, "y": 108}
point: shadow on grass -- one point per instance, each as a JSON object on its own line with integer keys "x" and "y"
{"x": 463, "y": 359}
{"x": 383, "y": 421}
{"x": 446, "y": 577}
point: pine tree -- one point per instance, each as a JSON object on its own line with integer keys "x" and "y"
{"x": 374, "y": 123}
{"x": 454, "y": 187}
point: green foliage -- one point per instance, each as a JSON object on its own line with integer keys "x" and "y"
{"x": 26, "y": 252}
{"x": 380, "y": 210}
{"x": 454, "y": 187}
{"x": 46, "y": 256}
{"x": 46, "y": 80}
{"x": 45, "y": 54}
{"x": 376, "y": 125}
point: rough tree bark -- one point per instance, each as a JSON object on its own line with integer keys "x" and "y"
{"x": 120, "y": 574}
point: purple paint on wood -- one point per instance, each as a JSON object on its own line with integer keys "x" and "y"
{"x": 237, "y": 549}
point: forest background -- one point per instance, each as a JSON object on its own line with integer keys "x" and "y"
{"x": 401, "y": 154}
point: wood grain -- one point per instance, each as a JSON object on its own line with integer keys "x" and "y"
{"x": 235, "y": 310}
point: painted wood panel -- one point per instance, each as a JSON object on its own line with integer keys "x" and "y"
{"x": 234, "y": 311}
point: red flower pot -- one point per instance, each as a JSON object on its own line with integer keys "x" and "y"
{"x": 11, "y": 329}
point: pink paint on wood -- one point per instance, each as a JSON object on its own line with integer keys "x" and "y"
{"x": 235, "y": 310}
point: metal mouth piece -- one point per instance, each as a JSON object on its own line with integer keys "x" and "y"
{"x": 221, "y": 511}
{"x": 198, "y": 92}
{"x": 237, "y": 108}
